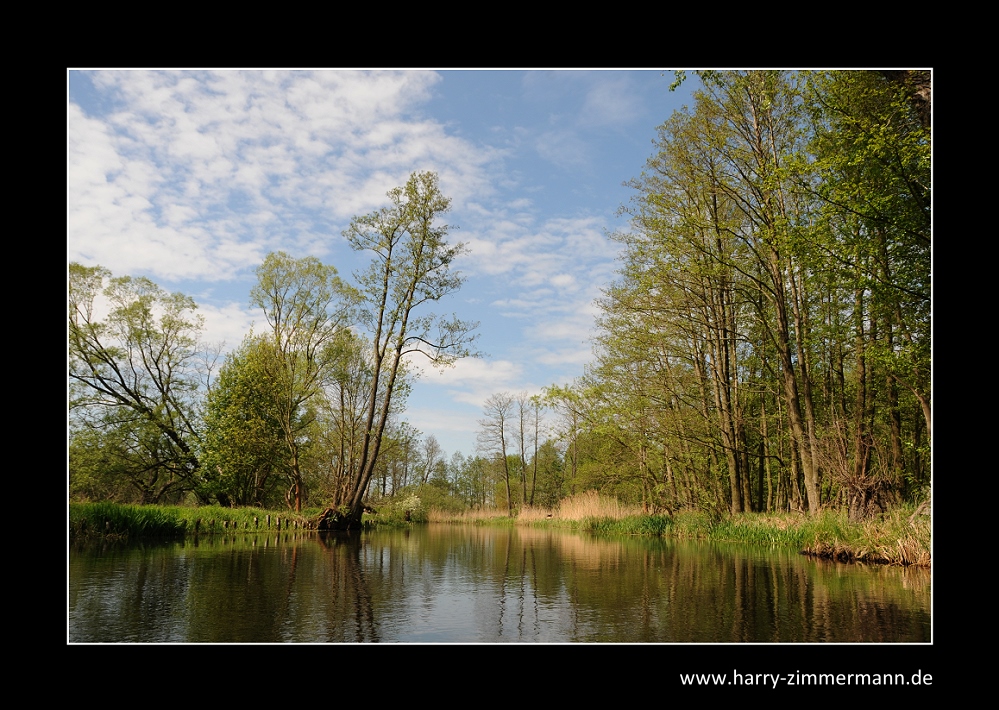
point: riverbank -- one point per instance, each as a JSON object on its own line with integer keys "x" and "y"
{"x": 115, "y": 521}
{"x": 901, "y": 536}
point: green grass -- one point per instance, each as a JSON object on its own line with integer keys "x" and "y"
{"x": 890, "y": 538}
{"x": 214, "y": 518}
{"x": 114, "y": 521}
{"x": 122, "y": 522}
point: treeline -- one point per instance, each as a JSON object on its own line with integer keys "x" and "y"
{"x": 309, "y": 407}
{"x": 766, "y": 345}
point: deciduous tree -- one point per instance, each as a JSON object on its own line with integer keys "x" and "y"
{"x": 245, "y": 453}
{"x": 495, "y": 432}
{"x": 411, "y": 268}
{"x": 306, "y": 305}
{"x": 134, "y": 369}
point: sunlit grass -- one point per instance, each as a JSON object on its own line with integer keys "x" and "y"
{"x": 591, "y": 504}
{"x": 114, "y": 521}
{"x": 470, "y": 517}
{"x": 122, "y": 522}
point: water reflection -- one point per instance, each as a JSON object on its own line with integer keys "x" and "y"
{"x": 473, "y": 584}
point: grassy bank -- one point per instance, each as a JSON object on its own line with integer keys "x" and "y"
{"x": 123, "y": 522}
{"x": 896, "y": 537}
{"x": 900, "y": 536}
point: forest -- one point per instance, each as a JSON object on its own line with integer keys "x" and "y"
{"x": 765, "y": 346}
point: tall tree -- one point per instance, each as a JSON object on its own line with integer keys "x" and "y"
{"x": 339, "y": 417}
{"x": 872, "y": 148}
{"x": 136, "y": 371}
{"x": 411, "y": 268}
{"x": 774, "y": 297}
{"x": 495, "y": 432}
{"x": 306, "y": 306}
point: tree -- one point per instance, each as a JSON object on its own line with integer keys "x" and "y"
{"x": 568, "y": 406}
{"x": 470, "y": 480}
{"x": 871, "y": 140}
{"x": 124, "y": 458}
{"x": 767, "y": 343}
{"x": 136, "y": 372}
{"x": 411, "y": 268}
{"x": 550, "y": 477}
{"x": 429, "y": 457}
{"x": 339, "y": 418}
{"x": 872, "y": 148}
{"x": 306, "y": 306}
{"x": 495, "y": 431}
{"x": 244, "y": 451}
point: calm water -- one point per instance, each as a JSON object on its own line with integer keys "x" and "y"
{"x": 450, "y": 584}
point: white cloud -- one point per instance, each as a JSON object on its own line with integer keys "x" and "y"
{"x": 229, "y": 323}
{"x": 436, "y": 420}
{"x": 192, "y": 167}
{"x": 612, "y": 101}
{"x": 473, "y": 380}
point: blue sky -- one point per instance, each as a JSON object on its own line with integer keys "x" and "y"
{"x": 191, "y": 177}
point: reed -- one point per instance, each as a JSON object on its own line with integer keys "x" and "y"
{"x": 890, "y": 538}
{"x": 590, "y": 504}
{"x": 469, "y": 517}
{"x": 648, "y": 525}
{"x": 534, "y": 516}
{"x": 121, "y": 522}
{"x": 896, "y": 537}
{"x": 216, "y": 519}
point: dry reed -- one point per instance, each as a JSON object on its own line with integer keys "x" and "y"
{"x": 589, "y": 504}
{"x": 437, "y": 515}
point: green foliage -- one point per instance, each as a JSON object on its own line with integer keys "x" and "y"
{"x": 412, "y": 266}
{"x": 306, "y": 306}
{"x": 437, "y": 498}
{"x": 135, "y": 370}
{"x": 124, "y": 458}
{"x": 245, "y": 453}
{"x": 767, "y": 344}
{"x": 551, "y": 483}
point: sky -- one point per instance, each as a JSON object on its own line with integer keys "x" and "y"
{"x": 191, "y": 178}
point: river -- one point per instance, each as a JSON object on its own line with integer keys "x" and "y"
{"x": 467, "y": 584}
